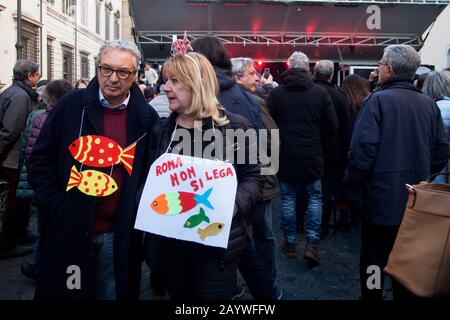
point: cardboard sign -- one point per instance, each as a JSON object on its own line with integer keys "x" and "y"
{"x": 189, "y": 199}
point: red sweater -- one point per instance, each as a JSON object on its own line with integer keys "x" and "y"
{"x": 115, "y": 127}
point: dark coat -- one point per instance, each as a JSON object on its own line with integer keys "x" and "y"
{"x": 398, "y": 139}
{"x": 271, "y": 185}
{"x": 66, "y": 237}
{"x": 16, "y": 103}
{"x": 344, "y": 119}
{"x": 236, "y": 99}
{"x": 24, "y": 190}
{"x": 35, "y": 130}
{"x": 308, "y": 126}
{"x": 249, "y": 190}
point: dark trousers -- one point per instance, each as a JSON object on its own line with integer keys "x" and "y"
{"x": 257, "y": 263}
{"x": 17, "y": 212}
{"x": 195, "y": 272}
{"x": 329, "y": 182}
{"x": 376, "y": 245}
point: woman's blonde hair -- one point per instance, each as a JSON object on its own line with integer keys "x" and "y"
{"x": 195, "y": 72}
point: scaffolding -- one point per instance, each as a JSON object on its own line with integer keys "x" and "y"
{"x": 289, "y": 2}
{"x": 293, "y": 39}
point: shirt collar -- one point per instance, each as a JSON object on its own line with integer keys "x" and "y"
{"x": 106, "y": 104}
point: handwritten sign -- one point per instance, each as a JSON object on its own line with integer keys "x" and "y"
{"x": 189, "y": 199}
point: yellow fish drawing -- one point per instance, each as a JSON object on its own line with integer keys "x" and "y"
{"x": 212, "y": 230}
{"x": 91, "y": 182}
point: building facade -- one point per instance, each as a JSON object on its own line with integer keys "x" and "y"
{"x": 63, "y": 36}
{"x": 436, "y": 49}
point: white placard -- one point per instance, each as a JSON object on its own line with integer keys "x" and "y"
{"x": 189, "y": 199}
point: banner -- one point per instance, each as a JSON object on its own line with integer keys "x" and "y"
{"x": 189, "y": 199}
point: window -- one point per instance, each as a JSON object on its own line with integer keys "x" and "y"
{"x": 448, "y": 58}
{"x": 30, "y": 41}
{"x": 49, "y": 59}
{"x": 97, "y": 17}
{"x": 83, "y": 9}
{"x": 107, "y": 22}
{"x": 67, "y": 63}
{"x": 116, "y": 29}
{"x": 69, "y": 7}
{"x": 95, "y": 64}
{"x": 84, "y": 61}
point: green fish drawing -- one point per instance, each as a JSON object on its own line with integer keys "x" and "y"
{"x": 212, "y": 230}
{"x": 196, "y": 219}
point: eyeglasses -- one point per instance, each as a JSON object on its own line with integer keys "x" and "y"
{"x": 382, "y": 63}
{"x": 122, "y": 74}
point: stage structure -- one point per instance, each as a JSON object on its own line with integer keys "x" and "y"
{"x": 345, "y": 31}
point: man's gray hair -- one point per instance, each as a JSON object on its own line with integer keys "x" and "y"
{"x": 239, "y": 65}
{"x": 404, "y": 59}
{"x": 324, "y": 70}
{"x": 437, "y": 85}
{"x": 23, "y": 68}
{"x": 123, "y": 46}
{"x": 299, "y": 60}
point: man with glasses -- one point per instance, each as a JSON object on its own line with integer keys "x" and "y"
{"x": 89, "y": 247}
{"x": 398, "y": 139}
{"x": 16, "y": 103}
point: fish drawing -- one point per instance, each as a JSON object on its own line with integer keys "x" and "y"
{"x": 101, "y": 152}
{"x": 212, "y": 230}
{"x": 91, "y": 182}
{"x": 178, "y": 202}
{"x": 196, "y": 219}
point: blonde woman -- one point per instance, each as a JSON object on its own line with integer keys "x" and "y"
{"x": 190, "y": 270}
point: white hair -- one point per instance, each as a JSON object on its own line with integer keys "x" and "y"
{"x": 123, "y": 46}
{"x": 437, "y": 85}
{"x": 239, "y": 65}
{"x": 404, "y": 59}
{"x": 299, "y": 60}
{"x": 323, "y": 70}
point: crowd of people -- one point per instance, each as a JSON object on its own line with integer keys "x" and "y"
{"x": 353, "y": 147}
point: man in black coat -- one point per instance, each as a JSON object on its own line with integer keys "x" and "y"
{"x": 232, "y": 97}
{"x": 334, "y": 171}
{"x": 90, "y": 249}
{"x": 16, "y": 103}
{"x": 308, "y": 127}
{"x": 257, "y": 264}
{"x": 398, "y": 139}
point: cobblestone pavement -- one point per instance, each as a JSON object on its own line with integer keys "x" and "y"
{"x": 336, "y": 278}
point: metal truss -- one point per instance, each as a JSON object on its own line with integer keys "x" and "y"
{"x": 273, "y": 39}
{"x": 243, "y": 2}
{"x": 371, "y": 1}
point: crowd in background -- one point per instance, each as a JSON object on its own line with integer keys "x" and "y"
{"x": 351, "y": 147}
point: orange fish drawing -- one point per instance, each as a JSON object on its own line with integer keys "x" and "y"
{"x": 178, "y": 202}
{"x": 91, "y": 182}
{"x": 101, "y": 152}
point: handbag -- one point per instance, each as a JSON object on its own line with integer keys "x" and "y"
{"x": 420, "y": 257}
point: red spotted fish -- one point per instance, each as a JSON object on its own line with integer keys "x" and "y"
{"x": 91, "y": 182}
{"x": 101, "y": 152}
{"x": 178, "y": 202}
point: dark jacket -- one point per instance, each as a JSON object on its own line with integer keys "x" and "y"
{"x": 308, "y": 126}
{"x": 250, "y": 182}
{"x": 344, "y": 119}
{"x": 398, "y": 139}
{"x": 236, "y": 99}
{"x": 16, "y": 103}
{"x": 66, "y": 234}
{"x": 35, "y": 130}
{"x": 271, "y": 185}
{"x": 24, "y": 190}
